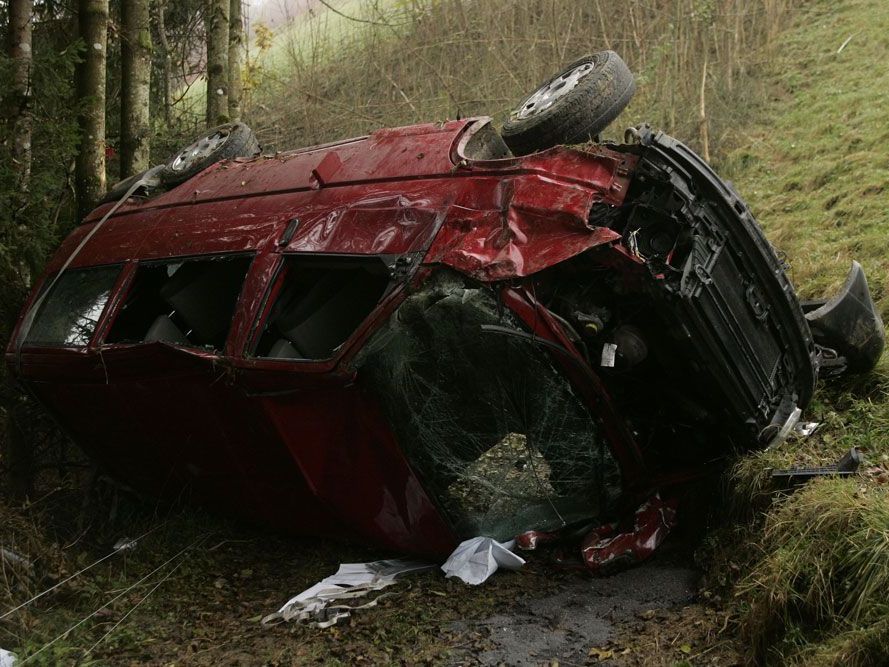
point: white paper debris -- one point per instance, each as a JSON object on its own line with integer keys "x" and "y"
{"x": 7, "y": 659}
{"x": 352, "y": 580}
{"x": 609, "y": 350}
{"x": 476, "y": 559}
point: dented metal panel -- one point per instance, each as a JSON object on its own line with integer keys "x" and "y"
{"x": 537, "y": 223}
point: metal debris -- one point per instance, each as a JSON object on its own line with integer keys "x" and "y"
{"x": 805, "y": 429}
{"x": 846, "y": 466}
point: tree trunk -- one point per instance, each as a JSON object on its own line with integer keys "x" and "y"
{"x": 235, "y": 43}
{"x": 89, "y": 173}
{"x": 19, "y": 96}
{"x": 160, "y": 7}
{"x": 135, "y": 79}
{"x": 216, "y": 24}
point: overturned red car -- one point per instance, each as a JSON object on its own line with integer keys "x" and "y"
{"x": 419, "y": 336}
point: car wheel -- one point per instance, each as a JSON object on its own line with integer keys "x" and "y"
{"x": 225, "y": 142}
{"x": 573, "y": 106}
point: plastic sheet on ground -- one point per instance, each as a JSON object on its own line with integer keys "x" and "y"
{"x": 321, "y": 605}
{"x": 7, "y": 659}
{"x": 476, "y": 559}
{"x": 15, "y": 560}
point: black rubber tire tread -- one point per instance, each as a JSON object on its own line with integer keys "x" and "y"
{"x": 241, "y": 143}
{"x": 582, "y": 113}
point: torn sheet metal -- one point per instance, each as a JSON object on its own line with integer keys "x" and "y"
{"x": 314, "y": 606}
{"x": 523, "y": 237}
{"x": 606, "y": 548}
{"x": 7, "y": 658}
{"x": 805, "y": 429}
{"x": 477, "y": 558}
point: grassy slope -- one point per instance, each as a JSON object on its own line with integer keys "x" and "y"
{"x": 816, "y": 173}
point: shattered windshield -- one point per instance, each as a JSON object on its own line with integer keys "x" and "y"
{"x": 495, "y": 431}
{"x": 69, "y": 314}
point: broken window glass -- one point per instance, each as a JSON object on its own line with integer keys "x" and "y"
{"x": 320, "y": 302}
{"x": 184, "y": 302}
{"x": 497, "y": 434}
{"x": 69, "y": 314}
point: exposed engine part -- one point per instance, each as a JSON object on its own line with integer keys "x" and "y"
{"x": 591, "y": 324}
{"x": 631, "y": 346}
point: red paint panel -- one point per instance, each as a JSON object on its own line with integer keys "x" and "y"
{"x": 167, "y": 420}
{"x": 382, "y": 220}
{"x": 540, "y": 223}
{"x": 609, "y": 172}
{"x": 607, "y": 549}
{"x": 400, "y": 153}
{"x": 354, "y": 466}
{"x": 217, "y": 227}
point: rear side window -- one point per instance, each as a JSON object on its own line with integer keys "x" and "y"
{"x": 320, "y": 302}
{"x": 182, "y": 302}
{"x": 71, "y": 310}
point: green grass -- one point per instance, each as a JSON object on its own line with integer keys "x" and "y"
{"x": 818, "y": 590}
{"x": 815, "y": 171}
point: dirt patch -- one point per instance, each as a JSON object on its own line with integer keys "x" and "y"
{"x": 584, "y": 620}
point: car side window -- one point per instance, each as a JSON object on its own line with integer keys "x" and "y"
{"x": 187, "y": 302}
{"x": 71, "y": 310}
{"x": 319, "y": 303}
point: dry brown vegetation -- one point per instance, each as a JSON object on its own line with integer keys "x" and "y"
{"x": 427, "y": 60}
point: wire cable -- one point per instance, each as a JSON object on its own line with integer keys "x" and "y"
{"x": 79, "y": 572}
{"x": 135, "y": 606}
{"x": 116, "y": 597}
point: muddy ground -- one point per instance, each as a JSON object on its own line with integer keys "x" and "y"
{"x": 587, "y": 619}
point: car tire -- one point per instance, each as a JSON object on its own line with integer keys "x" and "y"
{"x": 225, "y": 142}
{"x": 593, "y": 91}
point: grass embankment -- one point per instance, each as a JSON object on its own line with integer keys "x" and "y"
{"x": 816, "y": 173}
